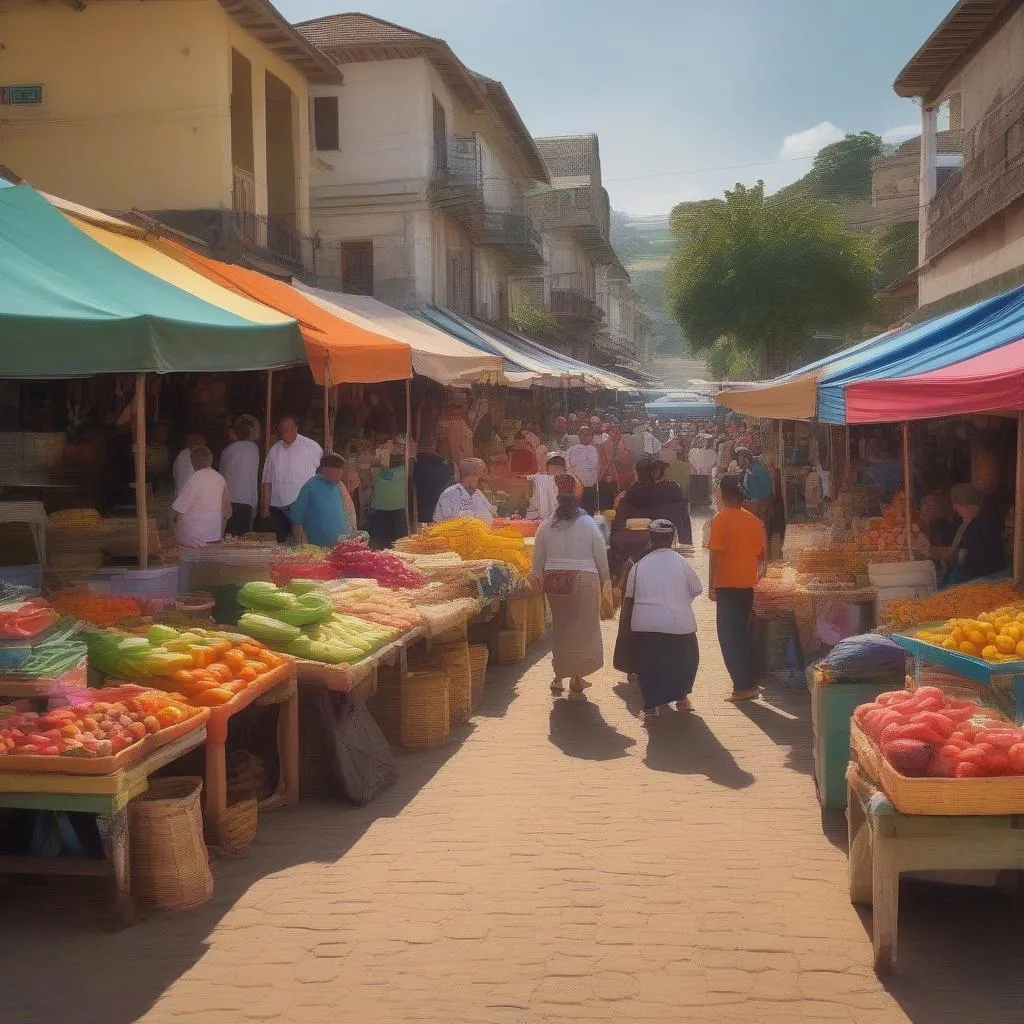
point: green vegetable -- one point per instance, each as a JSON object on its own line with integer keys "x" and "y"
{"x": 308, "y": 608}
{"x": 300, "y": 647}
{"x": 160, "y": 634}
{"x": 263, "y": 627}
{"x": 331, "y": 654}
{"x": 264, "y": 597}
{"x": 304, "y": 586}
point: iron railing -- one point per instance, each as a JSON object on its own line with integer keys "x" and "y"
{"x": 572, "y": 297}
{"x": 991, "y": 178}
{"x": 459, "y": 177}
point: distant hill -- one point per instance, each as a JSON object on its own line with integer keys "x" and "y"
{"x": 644, "y": 245}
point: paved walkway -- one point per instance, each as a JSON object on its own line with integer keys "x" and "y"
{"x": 555, "y": 863}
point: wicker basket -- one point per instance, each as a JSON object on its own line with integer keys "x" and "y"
{"x": 517, "y": 612}
{"x": 511, "y": 646}
{"x": 386, "y": 704}
{"x": 534, "y": 620}
{"x": 170, "y": 865}
{"x": 453, "y": 635}
{"x": 237, "y": 828}
{"x": 478, "y": 655}
{"x": 455, "y": 661}
{"x": 424, "y": 712}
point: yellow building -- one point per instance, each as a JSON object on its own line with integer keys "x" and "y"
{"x": 196, "y": 111}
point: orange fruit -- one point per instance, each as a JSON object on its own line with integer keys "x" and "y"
{"x": 968, "y": 648}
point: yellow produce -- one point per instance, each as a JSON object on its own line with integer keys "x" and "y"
{"x": 472, "y": 539}
{"x": 961, "y": 602}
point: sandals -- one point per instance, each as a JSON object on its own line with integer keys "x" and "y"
{"x": 741, "y": 695}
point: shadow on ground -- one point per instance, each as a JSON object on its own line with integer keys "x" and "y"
{"x": 579, "y": 730}
{"x": 784, "y": 716}
{"x": 685, "y": 745}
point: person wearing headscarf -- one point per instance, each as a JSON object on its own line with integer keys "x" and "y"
{"x": 657, "y": 639}
{"x": 648, "y": 498}
{"x": 569, "y": 557}
{"x": 977, "y": 548}
{"x": 465, "y": 499}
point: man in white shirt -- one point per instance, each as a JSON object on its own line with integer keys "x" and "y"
{"x": 182, "y": 468}
{"x": 585, "y": 463}
{"x": 240, "y": 466}
{"x": 465, "y": 498}
{"x": 199, "y": 513}
{"x": 290, "y": 463}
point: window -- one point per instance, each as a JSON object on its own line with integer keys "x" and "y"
{"x": 357, "y": 268}
{"x": 326, "y": 129}
{"x": 440, "y": 138}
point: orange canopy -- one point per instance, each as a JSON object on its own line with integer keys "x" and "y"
{"x": 349, "y": 353}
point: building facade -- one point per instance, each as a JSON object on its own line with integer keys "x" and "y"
{"x": 971, "y": 237}
{"x": 420, "y": 172}
{"x": 196, "y": 112}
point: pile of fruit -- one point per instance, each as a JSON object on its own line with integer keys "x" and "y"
{"x": 99, "y": 609}
{"x": 844, "y": 560}
{"x": 923, "y": 733}
{"x": 885, "y": 536}
{"x": 527, "y": 527}
{"x": 967, "y": 600}
{"x": 97, "y": 729}
{"x": 368, "y": 600}
{"x": 774, "y": 592}
{"x": 472, "y": 539}
{"x": 205, "y": 667}
{"x": 353, "y": 558}
{"x": 995, "y": 636}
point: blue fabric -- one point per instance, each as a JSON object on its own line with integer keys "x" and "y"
{"x": 320, "y": 511}
{"x": 683, "y": 408}
{"x": 757, "y": 481}
{"x": 927, "y": 346}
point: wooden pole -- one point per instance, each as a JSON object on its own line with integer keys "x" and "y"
{"x": 907, "y": 488}
{"x": 270, "y": 395}
{"x": 1018, "y": 505}
{"x": 328, "y": 440}
{"x": 782, "y": 474}
{"x": 408, "y": 447}
{"x": 139, "y": 427}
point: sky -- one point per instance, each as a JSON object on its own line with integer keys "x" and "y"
{"x": 687, "y": 96}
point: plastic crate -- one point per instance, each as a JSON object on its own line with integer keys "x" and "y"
{"x": 152, "y": 583}
{"x": 23, "y": 576}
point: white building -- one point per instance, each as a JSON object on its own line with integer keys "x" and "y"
{"x": 420, "y": 172}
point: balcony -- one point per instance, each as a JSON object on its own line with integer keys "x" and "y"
{"x": 457, "y": 178}
{"x": 572, "y": 298}
{"x": 512, "y": 234}
{"x": 992, "y": 177}
{"x": 583, "y": 210}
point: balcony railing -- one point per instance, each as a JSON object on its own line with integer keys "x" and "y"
{"x": 513, "y": 234}
{"x": 572, "y": 297}
{"x": 992, "y": 176}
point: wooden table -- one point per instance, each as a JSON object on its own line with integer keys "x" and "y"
{"x": 885, "y": 844}
{"x": 107, "y": 797}
{"x": 283, "y": 692}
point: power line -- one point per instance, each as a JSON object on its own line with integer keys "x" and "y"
{"x": 704, "y": 170}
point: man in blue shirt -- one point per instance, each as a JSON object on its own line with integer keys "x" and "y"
{"x": 319, "y": 514}
{"x": 757, "y": 483}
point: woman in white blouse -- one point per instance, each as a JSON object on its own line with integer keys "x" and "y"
{"x": 570, "y": 556}
{"x": 657, "y": 638}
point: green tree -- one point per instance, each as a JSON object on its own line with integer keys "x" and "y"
{"x": 767, "y": 274}
{"x": 726, "y": 361}
{"x": 841, "y": 172}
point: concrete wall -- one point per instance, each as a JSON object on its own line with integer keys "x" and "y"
{"x": 137, "y": 104}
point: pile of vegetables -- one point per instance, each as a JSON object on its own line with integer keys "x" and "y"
{"x": 368, "y": 600}
{"x": 300, "y": 620}
{"x": 96, "y": 729}
{"x": 472, "y": 539}
{"x": 353, "y": 558}
{"x": 48, "y": 657}
{"x": 966, "y": 601}
{"x": 995, "y": 636}
{"x": 23, "y": 619}
{"x": 99, "y": 609}
{"x": 923, "y": 733}
{"x": 205, "y": 667}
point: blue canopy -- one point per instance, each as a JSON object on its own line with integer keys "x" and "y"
{"x": 688, "y": 407}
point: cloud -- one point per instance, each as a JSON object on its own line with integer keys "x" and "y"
{"x": 809, "y": 141}
{"x": 901, "y": 132}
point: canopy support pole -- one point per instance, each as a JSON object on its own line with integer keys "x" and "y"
{"x": 141, "y": 511}
{"x": 782, "y": 475}
{"x": 907, "y": 488}
{"x": 1018, "y": 505}
{"x": 408, "y": 448}
{"x": 266, "y": 428}
{"x": 328, "y": 439}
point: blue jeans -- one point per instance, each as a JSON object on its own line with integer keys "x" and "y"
{"x": 734, "y": 607}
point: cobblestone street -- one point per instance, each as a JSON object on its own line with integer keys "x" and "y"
{"x": 554, "y": 863}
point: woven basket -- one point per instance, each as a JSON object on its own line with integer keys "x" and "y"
{"x": 424, "y": 714}
{"x": 517, "y": 612}
{"x": 237, "y": 829}
{"x": 478, "y": 655}
{"x": 386, "y": 704}
{"x": 454, "y": 659}
{"x": 511, "y": 646}
{"x": 452, "y": 635}
{"x": 170, "y": 865}
{"x": 534, "y": 620}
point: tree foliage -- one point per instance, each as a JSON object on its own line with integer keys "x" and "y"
{"x": 765, "y": 273}
{"x": 841, "y": 172}
{"x": 726, "y": 361}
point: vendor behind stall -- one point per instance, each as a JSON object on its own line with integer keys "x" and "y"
{"x": 465, "y": 498}
{"x": 203, "y": 507}
{"x": 289, "y": 464}
{"x": 977, "y": 548}
{"x": 323, "y": 512}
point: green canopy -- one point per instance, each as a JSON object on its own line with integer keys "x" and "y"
{"x": 69, "y": 307}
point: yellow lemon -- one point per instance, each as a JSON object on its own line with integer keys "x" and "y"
{"x": 976, "y": 637}
{"x": 989, "y": 653}
{"x": 1005, "y": 644}
{"x": 1020, "y": 649}
{"x": 1013, "y": 631}
{"x": 968, "y": 648}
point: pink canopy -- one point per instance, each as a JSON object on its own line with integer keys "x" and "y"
{"x": 992, "y": 382}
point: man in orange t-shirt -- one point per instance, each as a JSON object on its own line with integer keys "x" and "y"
{"x": 737, "y": 548}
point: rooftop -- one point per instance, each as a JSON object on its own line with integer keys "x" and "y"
{"x": 967, "y": 27}
{"x": 571, "y": 156}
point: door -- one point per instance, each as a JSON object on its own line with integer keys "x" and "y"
{"x": 357, "y": 268}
